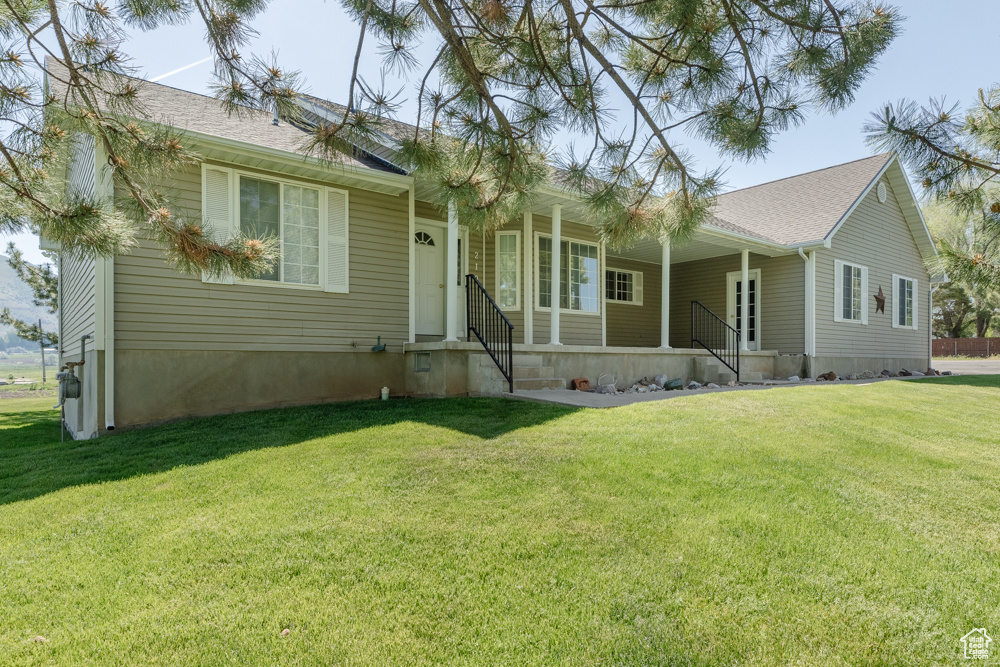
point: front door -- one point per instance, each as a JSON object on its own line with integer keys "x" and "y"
{"x": 734, "y": 305}
{"x": 429, "y": 243}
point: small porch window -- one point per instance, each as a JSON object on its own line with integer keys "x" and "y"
{"x": 850, "y": 287}
{"x": 904, "y": 315}
{"x": 508, "y": 270}
{"x": 579, "y": 284}
{"x": 623, "y": 286}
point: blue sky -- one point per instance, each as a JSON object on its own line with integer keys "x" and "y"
{"x": 946, "y": 48}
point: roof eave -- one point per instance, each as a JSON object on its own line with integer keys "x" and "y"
{"x": 910, "y": 208}
{"x": 403, "y": 182}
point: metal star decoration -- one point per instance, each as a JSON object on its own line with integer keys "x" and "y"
{"x": 880, "y": 301}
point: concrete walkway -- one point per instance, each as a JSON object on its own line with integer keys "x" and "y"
{"x": 586, "y": 399}
{"x": 968, "y": 366}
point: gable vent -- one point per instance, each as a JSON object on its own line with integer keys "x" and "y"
{"x": 881, "y": 192}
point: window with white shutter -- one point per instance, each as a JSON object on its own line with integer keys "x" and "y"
{"x": 850, "y": 287}
{"x": 217, "y": 210}
{"x": 904, "y": 299}
{"x": 309, "y": 222}
{"x": 337, "y": 258}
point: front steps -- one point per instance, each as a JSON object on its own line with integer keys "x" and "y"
{"x": 529, "y": 374}
{"x": 709, "y": 369}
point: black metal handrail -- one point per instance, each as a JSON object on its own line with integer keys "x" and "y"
{"x": 712, "y": 333}
{"x": 491, "y": 327}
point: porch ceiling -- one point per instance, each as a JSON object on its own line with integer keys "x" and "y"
{"x": 703, "y": 245}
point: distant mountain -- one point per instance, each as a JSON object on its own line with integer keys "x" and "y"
{"x": 17, "y": 296}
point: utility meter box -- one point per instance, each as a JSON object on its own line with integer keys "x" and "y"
{"x": 69, "y": 385}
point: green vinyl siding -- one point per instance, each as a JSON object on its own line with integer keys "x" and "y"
{"x": 159, "y": 307}
{"x": 875, "y": 236}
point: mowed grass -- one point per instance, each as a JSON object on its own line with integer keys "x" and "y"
{"x": 823, "y": 525}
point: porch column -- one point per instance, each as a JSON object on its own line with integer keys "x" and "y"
{"x": 556, "y": 271}
{"x": 528, "y": 301}
{"x": 665, "y": 294}
{"x": 811, "y": 304}
{"x": 744, "y": 290}
{"x": 451, "y": 276}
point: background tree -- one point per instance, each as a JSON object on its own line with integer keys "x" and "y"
{"x": 962, "y": 307}
{"x": 44, "y": 283}
{"x": 505, "y": 77}
{"x": 956, "y": 156}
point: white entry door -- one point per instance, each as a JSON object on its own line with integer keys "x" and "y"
{"x": 734, "y": 305}
{"x": 429, "y": 243}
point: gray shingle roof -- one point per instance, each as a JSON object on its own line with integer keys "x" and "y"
{"x": 188, "y": 111}
{"x": 800, "y": 208}
{"x": 790, "y": 211}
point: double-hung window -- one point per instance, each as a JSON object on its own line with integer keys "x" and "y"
{"x": 289, "y": 213}
{"x": 850, "y": 288}
{"x": 623, "y": 286}
{"x": 508, "y": 263}
{"x": 309, "y": 222}
{"x": 579, "y": 275}
{"x": 904, "y": 312}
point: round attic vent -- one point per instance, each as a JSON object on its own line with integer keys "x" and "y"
{"x": 881, "y": 193}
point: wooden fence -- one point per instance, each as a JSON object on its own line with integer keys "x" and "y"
{"x": 965, "y": 347}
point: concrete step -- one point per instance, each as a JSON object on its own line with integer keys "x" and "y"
{"x": 532, "y": 384}
{"x": 524, "y": 360}
{"x": 525, "y": 372}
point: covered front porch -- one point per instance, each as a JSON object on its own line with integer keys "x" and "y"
{"x": 625, "y": 313}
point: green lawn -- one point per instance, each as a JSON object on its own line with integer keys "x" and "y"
{"x": 814, "y": 525}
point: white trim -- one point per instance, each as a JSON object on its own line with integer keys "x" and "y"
{"x": 529, "y": 281}
{"x": 633, "y": 302}
{"x": 860, "y": 198}
{"x": 838, "y": 292}
{"x": 810, "y": 301}
{"x": 665, "y": 293}
{"x": 568, "y": 239}
{"x": 451, "y": 275}
{"x": 911, "y": 204}
{"x": 732, "y": 277}
{"x": 412, "y": 288}
{"x": 893, "y": 298}
{"x": 517, "y": 272}
{"x": 292, "y": 158}
{"x": 323, "y": 194}
{"x": 602, "y": 302}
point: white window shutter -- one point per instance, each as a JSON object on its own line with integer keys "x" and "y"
{"x": 895, "y": 301}
{"x": 337, "y": 259}
{"x": 916, "y": 303}
{"x": 838, "y": 290}
{"x": 864, "y": 295}
{"x": 217, "y": 210}
{"x": 637, "y": 288}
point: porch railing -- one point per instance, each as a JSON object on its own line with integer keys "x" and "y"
{"x": 712, "y": 333}
{"x": 491, "y": 327}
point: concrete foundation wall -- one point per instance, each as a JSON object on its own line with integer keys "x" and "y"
{"x": 457, "y": 369}
{"x": 844, "y": 365}
{"x": 160, "y": 385}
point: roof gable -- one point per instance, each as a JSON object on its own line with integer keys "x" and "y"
{"x": 799, "y": 209}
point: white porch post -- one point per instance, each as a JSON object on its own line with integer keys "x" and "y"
{"x": 602, "y": 268}
{"x": 451, "y": 276}
{"x": 811, "y": 304}
{"x": 556, "y": 271}
{"x": 528, "y": 302}
{"x": 665, "y": 294}
{"x": 744, "y": 291}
